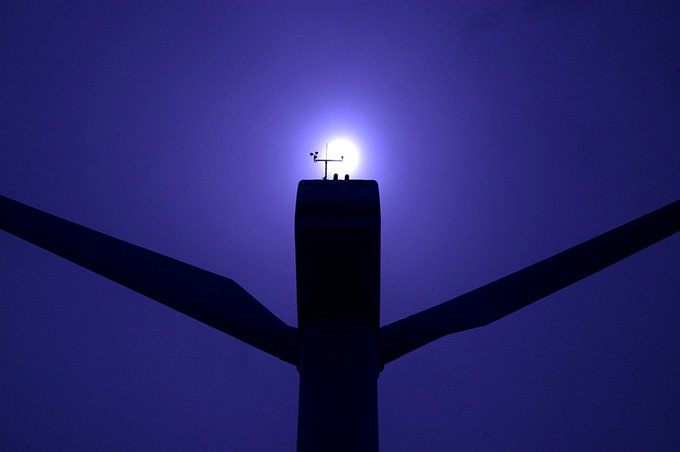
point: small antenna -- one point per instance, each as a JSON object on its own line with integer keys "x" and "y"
{"x": 315, "y": 156}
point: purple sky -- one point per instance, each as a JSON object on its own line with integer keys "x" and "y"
{"x": 500, "y": 132}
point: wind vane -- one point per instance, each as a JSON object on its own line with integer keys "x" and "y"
{"x": 325, "y": 161}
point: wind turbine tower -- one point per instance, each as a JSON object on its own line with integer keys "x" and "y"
{"x": 338, "y": 346}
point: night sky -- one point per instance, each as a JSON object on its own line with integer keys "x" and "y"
{"x": 500, "y": 133}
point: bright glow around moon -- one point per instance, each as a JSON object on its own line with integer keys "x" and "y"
{"x": 350, "y": 158}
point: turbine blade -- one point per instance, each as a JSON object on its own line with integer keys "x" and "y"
{"x": 517, "y": 290}
{"x": 209, "y": 298}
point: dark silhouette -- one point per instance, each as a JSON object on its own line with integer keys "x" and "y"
{"x": 338, "y": 347}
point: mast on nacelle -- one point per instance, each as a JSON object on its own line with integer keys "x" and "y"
{"x": 325, "y": 161}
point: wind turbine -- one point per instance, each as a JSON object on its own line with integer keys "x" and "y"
{"x": 338, "y": 347}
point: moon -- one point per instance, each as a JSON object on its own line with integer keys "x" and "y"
{"x": 345, "y": 149}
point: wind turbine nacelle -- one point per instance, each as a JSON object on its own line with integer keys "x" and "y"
{"x": 337, "y": 249}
